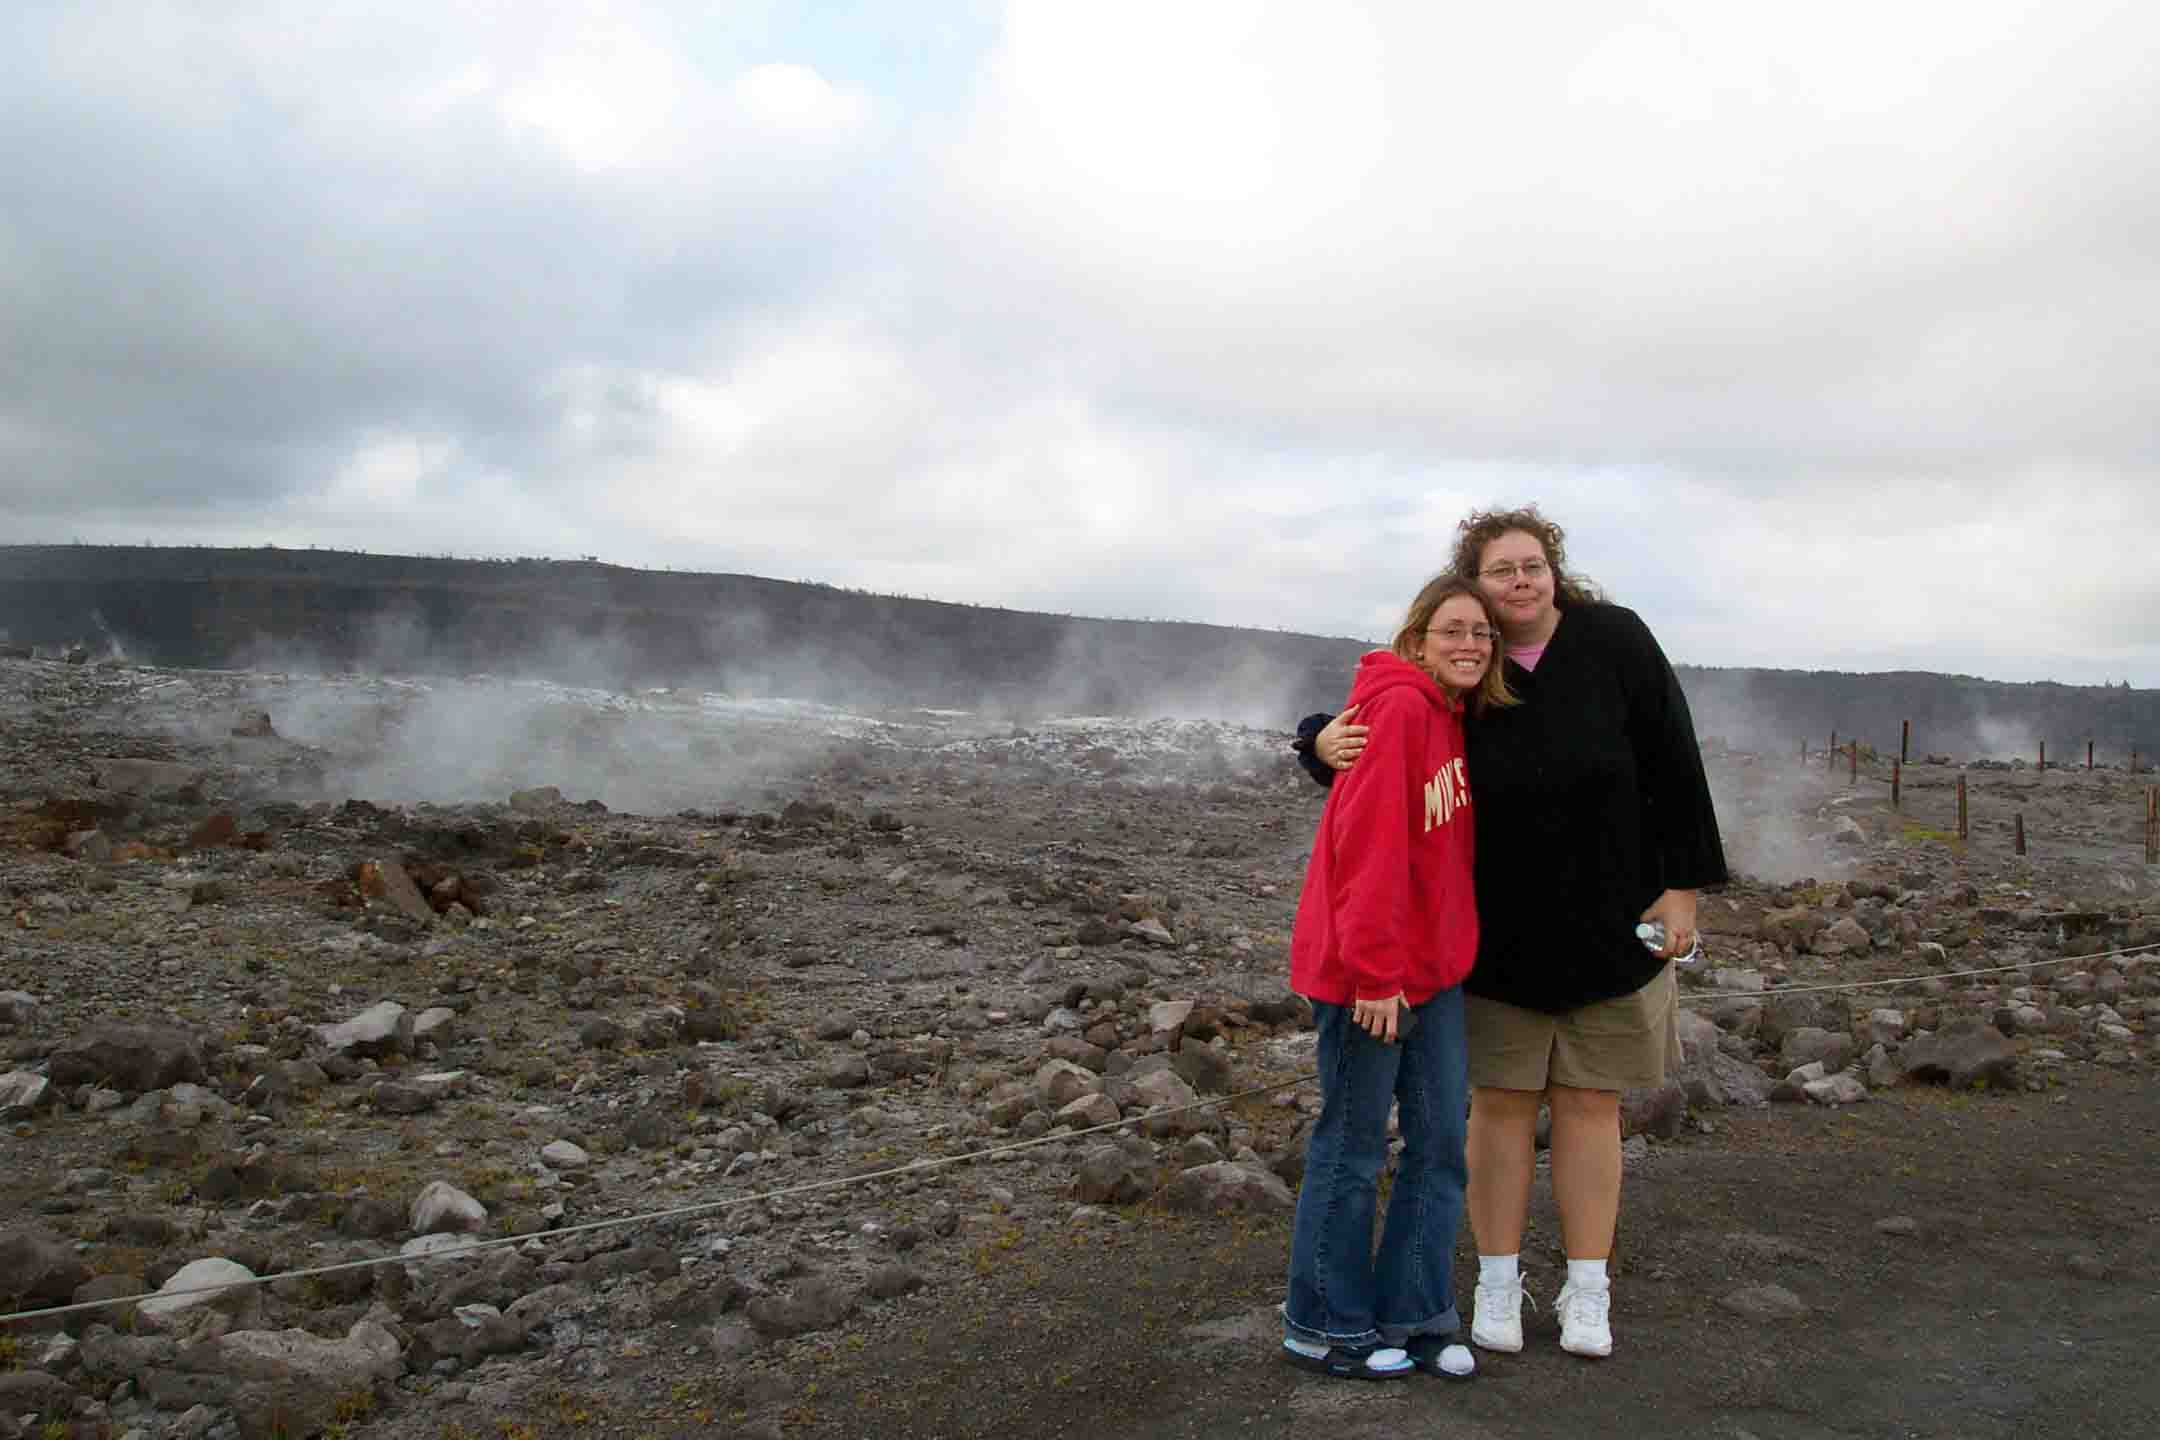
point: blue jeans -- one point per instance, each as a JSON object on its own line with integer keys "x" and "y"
{"x": 1340, "y": 1292}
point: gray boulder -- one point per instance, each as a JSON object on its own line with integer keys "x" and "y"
{"x": 1167, "y": 1016}
{"x": 33, "y": 1392}
{"x": 390, "y": 1097}
{"x": 288, "y": 1382}
{"x": 1658, "y": 1110}
{"x": 23, "y": 1093}
{"x": 847, "y": 1071}
{"x": 732, "y": 1340}
{"x": 212, "y": 1281}
{"x": 1963, "y": 1054}
{"x": 442, "y": 1208}
{"x": 1164, "y": 1088}
{"x": 1843, "y": 1088}
{"x": 183, "y": 1107}
{"x": 469, "y": 1334}
{"x": 565, "y": 1155}
{"x": 1882, "y": 1070}
{"x": 1886, "y": 1026}
{"x": 892, "y": 1280}
{"x": 1698, "y": 1034}
{"x": 819, "y": 1303}
{"x": 381, "y": 1029}
{"x": 1288, "y": 1165}
{"x": 1110, "y": 1176}
{"x": 38, "y": 1266}
{"x": 1228, "y": 1185}
{"x": 1009, "y": 1102}
{"x": 1783, "y": 1014}
{"x": 1846, "y": 936}
{"x": 1088, "y": 1112}
{"x": 1203, "y": 1067}
{"x": 1718, "y": 1080}
{"x": 1794, "y": 927}
{"x": 1833, "y": 1048}
{"x": 366, "y": 1354}
{"x": 1060, "y": 1082}
{"x": 131, "y": 776}
{"x": 128, "y": 1058}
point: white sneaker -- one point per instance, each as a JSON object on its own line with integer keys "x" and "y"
{"x": 1585, "y": 1321}
{"x": 1496, "y": 1316}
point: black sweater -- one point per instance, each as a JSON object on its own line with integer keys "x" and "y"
{"x": 1590, "y": 802}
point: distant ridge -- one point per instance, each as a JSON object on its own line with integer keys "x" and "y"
{"x": 585, "y": 622}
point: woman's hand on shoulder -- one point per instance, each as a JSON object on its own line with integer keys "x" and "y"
{"x": 1340, "y": 740}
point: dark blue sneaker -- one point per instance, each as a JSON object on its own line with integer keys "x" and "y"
{"x": 1443, "y": 1355}
{"x": 1350, "y": 1362}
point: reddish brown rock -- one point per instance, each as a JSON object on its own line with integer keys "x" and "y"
{"x": 386, "y": 880}
{"x": 217, "y": 831}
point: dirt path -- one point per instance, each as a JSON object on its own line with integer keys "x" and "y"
{"x": 2025, "y": 1303}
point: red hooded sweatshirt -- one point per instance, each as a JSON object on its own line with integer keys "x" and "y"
{"x": 1387, "y": 906}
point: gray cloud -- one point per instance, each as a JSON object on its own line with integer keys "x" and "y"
{"x": 220, "y": 286}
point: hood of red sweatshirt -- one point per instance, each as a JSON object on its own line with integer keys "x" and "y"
{"x": 1385, "y": 670}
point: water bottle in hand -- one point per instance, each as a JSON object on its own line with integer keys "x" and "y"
{"x": 1652, "y": 935}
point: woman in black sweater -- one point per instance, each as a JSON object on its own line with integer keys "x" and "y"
{"x": 1593, "y": 815}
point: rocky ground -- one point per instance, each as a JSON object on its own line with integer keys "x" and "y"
{"x": 301, "y": 971}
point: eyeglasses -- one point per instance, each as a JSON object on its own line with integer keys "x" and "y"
{"x": 1505, "y": 573}
{"x": 1457, "y": 633}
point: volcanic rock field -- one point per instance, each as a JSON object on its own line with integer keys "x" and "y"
{"x": 609, "y": 1060}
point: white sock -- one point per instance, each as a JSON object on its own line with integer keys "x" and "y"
{"x": 1499, "y": 1269}
{"x": 1588, "y": 1275}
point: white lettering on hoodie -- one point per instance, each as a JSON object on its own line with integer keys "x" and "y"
{"x": 1447, "y": 792}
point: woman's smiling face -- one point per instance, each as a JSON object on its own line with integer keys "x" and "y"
{"x": 1458, "y": 645}
{"x": 1516, "y": 575}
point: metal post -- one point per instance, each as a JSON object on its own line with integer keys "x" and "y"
{"x": 1963, "y": 828}
{"x": 1904, "y": 744}
{"x": 2043, "y": 757}
{"x": 1853, "y": 775}
{"x": 2088, "y": 754}
{"x": 2021, "y": 832}
{"x": 1897, "y": 779}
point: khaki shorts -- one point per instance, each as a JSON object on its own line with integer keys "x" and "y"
{"x": 1624, "y": 1043}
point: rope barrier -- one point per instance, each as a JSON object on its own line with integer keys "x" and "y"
{"x": 920, "y": 1166}
{"x": 913, "y": 1167}
{"x": 2021, "y": 967}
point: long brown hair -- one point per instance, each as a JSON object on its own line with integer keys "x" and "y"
{"x": 1481, "y": 527}
{"x": 1409, "y": 643}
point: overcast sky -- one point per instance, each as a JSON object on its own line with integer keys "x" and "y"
{"x": 1827, "y": 330}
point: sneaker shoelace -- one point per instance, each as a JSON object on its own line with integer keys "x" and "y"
{"x": 1499, "y": 1291}
{"x": 1588, "y": 1307}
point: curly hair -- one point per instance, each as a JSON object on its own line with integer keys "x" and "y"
{"x": 1481, "y": 527}
{"x": 1409, "y": 643}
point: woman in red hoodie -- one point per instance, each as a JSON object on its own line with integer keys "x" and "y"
{"x": 1386, "y": 930}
